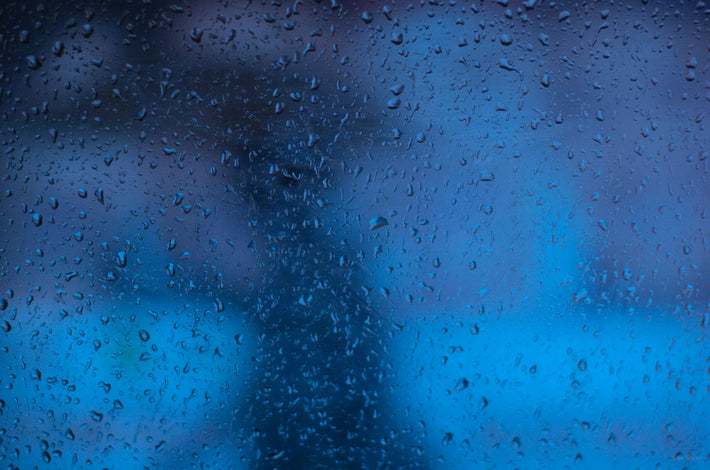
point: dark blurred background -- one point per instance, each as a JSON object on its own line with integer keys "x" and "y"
{"x": 354, "y": 235}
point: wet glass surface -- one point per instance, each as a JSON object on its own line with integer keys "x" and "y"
{"x": 333, "y": 234}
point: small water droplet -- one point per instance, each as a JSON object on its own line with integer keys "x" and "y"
{"x": 33, "y": 62}
{"x": 397, "y": 89}
{"x": 580, "y": 295}
{"x": 58, "y": 48}
{"x": 99, "y": 193}
{"x": 462, "y": 384}
{"x": 378, "y": 222}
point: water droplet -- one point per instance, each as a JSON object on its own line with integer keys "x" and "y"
{"x": 33, "y": 62}
{"x": 580, "y": 295}
{"x": 378, "y": 222}
{"x": 394, "y": 103}
{"x": 58, "y": 48}
{"x": 506, "y": 65}
{"x": 482, "y": 403}
{"x": 313, "y": 139}
{"x": 448, "y": 437}
{"x": 397, "y": 89}
{"x": 99, "y": 193}
{"x": 196, "y": 34}
{"x": 461, "y": 385}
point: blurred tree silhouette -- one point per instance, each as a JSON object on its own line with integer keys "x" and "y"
{"x": 219, "y": 132}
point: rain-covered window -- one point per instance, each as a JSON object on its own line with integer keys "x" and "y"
{"x": 354, "y": 234}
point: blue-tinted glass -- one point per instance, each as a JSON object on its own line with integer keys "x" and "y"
{"x": 354, "y": 234}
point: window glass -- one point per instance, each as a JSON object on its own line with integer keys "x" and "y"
{"x": 354, "y": 234}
